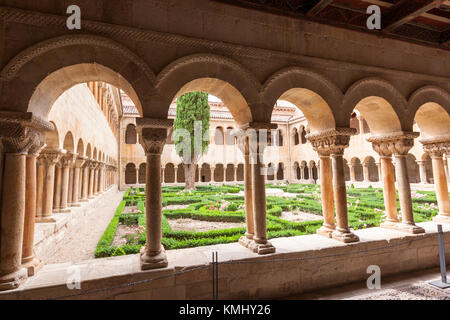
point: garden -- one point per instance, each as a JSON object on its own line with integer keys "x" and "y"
{"x": 216, "y": 214}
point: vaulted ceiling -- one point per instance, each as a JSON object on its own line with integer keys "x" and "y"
{"x": 420, "y": 21}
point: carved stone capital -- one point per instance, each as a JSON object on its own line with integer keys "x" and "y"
{"x": 21, "y": 132}
{"x": 68, "y": 160}
{"x": 398, "y": 143}
{"x": 330, "y": 142}
{"x": 436, "y": 147}
{"x": 153, "y": 140}
{"x": 50, "y": 157}
{"x": 79, "y": 161}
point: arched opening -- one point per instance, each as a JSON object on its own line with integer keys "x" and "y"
{"x": 280, "y": 172}
{"x": 130, "y": 173}
{"x": 219, "y": 173}
{"x": 142, "y": 169}
{"x": 229, "y": 176}
{"x": 180, "y": 174}
{"x": 229, "y": 138}
{"x": 69, "y": 143}
{"x": 240, "y": 172}
{"x": 346, "y": 171}
{"x": 131, "y": 134}
{"x": 296, "y": 137}
{"x": 169, "y": 173}
{"x": 219, "y": 136}
{"x": 205, "y": 173}
{"x": 80, "y": 148}
{"x": 412, "y": 168}
{"x": 370, "y": 169}
{"x": 357, "y": 170}
{"x": 270, "y": 172}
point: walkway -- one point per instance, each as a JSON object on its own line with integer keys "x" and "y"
{"x": 80, "y": 242}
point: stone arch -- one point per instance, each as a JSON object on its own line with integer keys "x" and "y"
{"x": 229, "y": 138}
{"x": 69, "y": 143}
{"x": 180, "y": 173}
{"x": 141, "y": 175}
{"x": 412, "y": 168}
{"x": 280, "y": 171}
{"x": 371, "y": 168}
{"x": 240, "y": 172}
{"x": 428, "y": 168}
{"x": 71, "y": 60}
{"x": 169, "y": 173}
{"x": 358, "y": 169}
{"x": 297, "y": 172}
{"x": 95, "y": 154}
{"x": 270, "y": 172}
{"x": 380, "y": 103}
{"x": 219, "y": 173}
{"x": 219, "y": 137}
{"x": 295, "y": 136}
{"x": 89, "y": 151}
{"x": 80, "y": 147}
{"x": 52, "y": 138}
{"x": 205, "y": 173}
{"x": 216, "y": 75}
{"x": 311, "y": 92}
{"x": 130, "y": 173}
{"x": 229, "y": 173}
{"x": 430, "y": 107}
{"x": 131, "y": 134}
{"x": 305, "y": 169}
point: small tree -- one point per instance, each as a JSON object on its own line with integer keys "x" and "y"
{"x": 190, "y": 127}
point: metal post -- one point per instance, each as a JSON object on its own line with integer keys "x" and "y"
{"x": 443, "y": 284}
{"x": 215, "y": 276}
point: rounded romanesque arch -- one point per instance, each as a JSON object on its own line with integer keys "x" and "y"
{"x": 80, "y": 148}
{"x": 130, "y": 173}
{"x": 280, "y": 171}
{"x": 219, "y": 138}
{"x": 311, "y": 92}
{"x": 219, "y": 173}
{"x": 131, "y": 134}
{"x": 169, "y": 173}
{"x": 142, "y": 168}
{"x": 69, "y": 143}
{"x": 430, "y": 107}
{"x": 89, "y": 151}
{"x": 205, "y": 173}
{"x": 380, "y": 103}
{"x": 270, "y": 172}
{"x": 216, "y": 75}
{"x": 356, "y": 170}
{"x": 229, "y": 173}
{"x": 240, "y": 172}
{"x": 52, "y": 138}
{"x": 71, "y": 60}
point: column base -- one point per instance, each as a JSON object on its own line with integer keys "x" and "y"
{"x": 410, "y": 228}
{"x": 32, "y": 266}
{"x": 153, "y": 262}
{"x": 45, "y": 220}
{"x": 13, "y": 280}
{"x": 345, "y": 236}
{"x": 244, "y": 241}
{"x": 76, "y": 205}
{"x": 392, "y": 225}
{"x": 442, "y": 218}
{"x": 84, "y": 200}
{"x": 66, "y": 210}
{"x": 326, "y": 231}
{"x": 261, "y": 248}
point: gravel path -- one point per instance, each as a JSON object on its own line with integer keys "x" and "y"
{"x": 80, "y": 242}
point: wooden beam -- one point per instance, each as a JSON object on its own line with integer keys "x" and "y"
{"x": 405, "y": 11}
{"x": 319, "y": 6}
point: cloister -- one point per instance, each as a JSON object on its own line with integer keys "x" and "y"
{"x": 154, "y": 62}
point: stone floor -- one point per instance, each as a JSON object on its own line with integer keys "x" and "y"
{"x": 79, "y": 242}
{"x": 409, "y": 286}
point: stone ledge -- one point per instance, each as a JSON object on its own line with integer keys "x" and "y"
{"x": 310, "y": 262}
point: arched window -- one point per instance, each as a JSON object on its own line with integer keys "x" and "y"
{"x": 130, "y": 174}
{"x": 229, "y": 138}
{"x": 218, "y": 137}
{"x": 296, "y": 137}
{"x": 354, "y": 122}
{"x": 279, "y": 138}
{"x": 303, "y": 137}
{"x": 130, "y": 134}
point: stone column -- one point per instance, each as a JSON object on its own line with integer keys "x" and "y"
{"x": 137, "y": 175}
{"x": 257, "y": 142}
{"x": 57, "y": 196}
{"x": 18, "y": 133}
{"x": 153, "y": 136}
{"x": 175, "y": 171}
{"x": 302, "y": 173}
{"x": 85, "y": 181}
{"x": 437, "y": 148}
{"x": 244, "y": 146}
{"x": 326, "y": 183}
{"x": 162, "y": 174}
{"x": 352, "y": 172}
{"x": 50, "y": 158}
{"x": 77, "y": 176}
{"x": 366, "y": 174}
{"x": 235, "y": 168}
{"x": 389, "y": 194}
{"x": 40, "y": 187}
{"x": 28, "y": 259}
{"x": 70, "y": 190}
{"x": 95, "y": 186}
{"x": 66, "y": 163}
{"x": 334, "y": 142}
{"x": 92, "y": 166}
{"x": 100, "y": 178}
{"x": 422, "y": 172}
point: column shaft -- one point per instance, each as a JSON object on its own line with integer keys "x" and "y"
{"x": 389, "y": 194}
{"x": 326, "y": 183}
{"x": 440, "y": 184}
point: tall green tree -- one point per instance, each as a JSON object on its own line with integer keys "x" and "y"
{"x": 191, "y": 132}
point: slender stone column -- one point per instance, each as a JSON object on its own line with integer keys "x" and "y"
{"x": 66, "y": 163}
{"x": 85, "y": 182}
{"x": 70, "y": 190}
{"x": 399, "y": 144}
{"x": 326, "y": 183}
{"x": 92, "y": 166}
{"x": 50, "y": 157}
{"x": 40, "y": 187}
{"x": 334, "y": 142}
{"x": 437, "y": 149}
{"x": 100, "y": 178}
{"x": 352, "y": 172}
{"x": 17, "y": 137}
{"x": 76, "y": 180}
{"x": 366, "y": 174}
{"x": 57, "y": 197}
{"x": 153, "y": 141}
{"x": 422, "y": 172}
{"x": 175, "y": 171}
{"x": 244, "y": 146}
{"x": 212, "y": 173}
{"x": 389, "y": 194}
{"x": 302, "y": 173}
{"x": 95, "y": 186}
